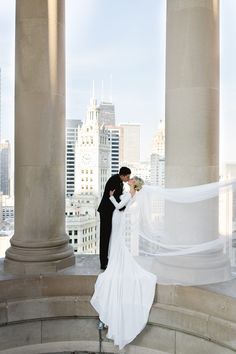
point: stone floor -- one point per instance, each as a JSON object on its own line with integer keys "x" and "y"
{"x": 76, "y": 353}
{"x": 85, "y": 265}
{"x": 89, "y": 265}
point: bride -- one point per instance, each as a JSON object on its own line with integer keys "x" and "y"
{"x": 124, "y": 293}
{"x": 175, "y": 239}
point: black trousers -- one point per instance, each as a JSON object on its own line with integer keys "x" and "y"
{"x": 105, "y": 233}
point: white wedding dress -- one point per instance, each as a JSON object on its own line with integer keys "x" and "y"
{"x": 182, "y": 235}
{"x": 124, "y": 293}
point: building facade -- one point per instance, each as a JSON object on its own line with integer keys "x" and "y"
{"x": 107, "y": 113}
{"x": 72, "y": 126}
{"x": 141, "y": 169}
{"x": 92, "y": 154}
{"x": 158, "y": 143}
{"x": 157, "y": 171}
{"x": 157, "y": 158}
{"x": 114, "y": 138}
{"x": 0, "y": 104}
{"x": 82, "y": 224}
{"x": 130, "y": 143}
{"x": 92, "y": 170}
{"x": 7, "y": 206}
{"x": 5, "y": 167}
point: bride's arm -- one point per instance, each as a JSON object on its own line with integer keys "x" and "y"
{"x": 122, "y": 203}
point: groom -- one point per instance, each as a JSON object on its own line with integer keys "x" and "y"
{"x": 106, "y": 209}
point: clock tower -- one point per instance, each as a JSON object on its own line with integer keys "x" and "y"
{"x": 92, "y": 155}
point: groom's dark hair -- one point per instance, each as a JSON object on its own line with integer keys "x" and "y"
{"x": 124, "y": 171}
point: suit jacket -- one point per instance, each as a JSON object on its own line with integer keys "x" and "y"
{"x": 105, "y": 205}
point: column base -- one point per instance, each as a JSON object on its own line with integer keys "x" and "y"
{"x": 216, "y": 269}
{"x": 14, "y": 267}
{"x": 38, "y": 258}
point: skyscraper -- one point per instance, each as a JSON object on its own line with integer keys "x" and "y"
{"x": 80, "y": 225}
{"x": 92, "y": 154}
{"x": 0, "y": 105}
{"x": 141, "y": 169}
{"x": 130, "y": 143}
{"x": 5, "y": 167}
{"x": 0, "y": 125}
{"x": 107, "y": 113}
{"x": 72, "y": 127}
{"x": 114, "y": 135}
{"x": 158, "y": 157}
{"x": 107, "y": 118}
{"x": 92, "y": 169}
{"x": 158, "y": 143}
{"x": 157, "y": 174}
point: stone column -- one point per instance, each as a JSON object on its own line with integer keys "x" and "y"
{"x": 192, "y": 135}
{"x": 192, "y": 92}
{"x": 192, "y": 110}
{"x": 40, "y": 243}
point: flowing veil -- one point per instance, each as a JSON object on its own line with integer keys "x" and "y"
{"x": 183, "y": 235}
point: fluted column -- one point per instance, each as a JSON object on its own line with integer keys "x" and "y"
{"x": 192, "y": 92}
{"x": 40, "y": 243}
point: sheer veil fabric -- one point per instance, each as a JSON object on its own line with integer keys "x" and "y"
{"x": 184, "y": 235}
{"x": 169, "y": 236}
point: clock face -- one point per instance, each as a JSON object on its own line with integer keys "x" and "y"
{"x": 104, "y": 159}
{"x": 86, "y": 158}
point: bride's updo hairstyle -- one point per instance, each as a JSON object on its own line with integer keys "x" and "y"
{"x": 138, "y": 183}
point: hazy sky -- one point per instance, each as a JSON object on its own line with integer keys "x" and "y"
{"x": 125, "y": 39}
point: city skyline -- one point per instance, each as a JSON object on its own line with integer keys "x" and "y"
{"x": 130, "y": 46}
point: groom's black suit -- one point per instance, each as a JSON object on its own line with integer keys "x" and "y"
{"x": 106, "y": 209}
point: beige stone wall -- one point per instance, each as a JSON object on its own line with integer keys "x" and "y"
{"x": 53, "y": 313}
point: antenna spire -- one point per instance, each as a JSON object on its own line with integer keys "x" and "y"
{"x": 111, "y": 87}
{"x": 102, "y": 92}
{"x": 93, "y": 93}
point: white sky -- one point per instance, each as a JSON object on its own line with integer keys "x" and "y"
{"x": 125, "y": 39}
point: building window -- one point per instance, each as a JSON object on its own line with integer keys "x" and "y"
{"x": 70, "y": 233}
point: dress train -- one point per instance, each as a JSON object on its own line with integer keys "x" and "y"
{"x": 124, "y": 293}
